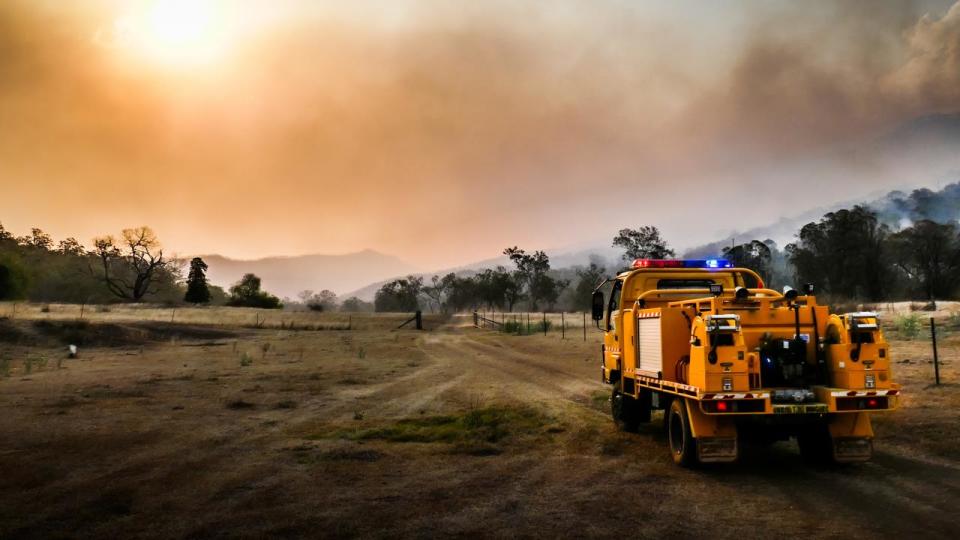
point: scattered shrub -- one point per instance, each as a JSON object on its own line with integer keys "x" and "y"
{"x": 247, "y": 293}
{"x": 514, "y": 327}
{"x": 520, "y": 326}
{"x": 246, "y": 359}
{"x": 908, "y": 325}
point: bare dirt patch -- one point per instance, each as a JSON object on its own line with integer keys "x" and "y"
{"x": 454, "y": 431}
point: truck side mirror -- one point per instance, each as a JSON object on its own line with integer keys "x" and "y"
{"x": 597, "y": 305}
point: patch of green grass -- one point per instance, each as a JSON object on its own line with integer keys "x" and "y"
{"x": 474, "y": 432}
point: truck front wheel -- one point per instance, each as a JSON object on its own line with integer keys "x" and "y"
{"x": 683, "y": 447}
{"x": 623, "y": 408}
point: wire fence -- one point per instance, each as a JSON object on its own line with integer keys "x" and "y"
{"x": 566, "y": 325}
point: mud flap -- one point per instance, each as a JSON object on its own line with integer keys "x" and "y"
{"x": 852, "y": 437}
{"x": 849, "y": 449}
{"x": 717, "y": 449}
{"x": 716, "y": 436}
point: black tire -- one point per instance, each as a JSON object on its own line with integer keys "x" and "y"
{"x": 816, "y": 445}
{"x": 623, "y": 409}
{"x": 683, "y": 446}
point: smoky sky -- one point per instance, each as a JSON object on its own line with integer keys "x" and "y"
{"x": 442, "y": 133}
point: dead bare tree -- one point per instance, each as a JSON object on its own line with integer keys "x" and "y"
{"x": 131, "y": 266}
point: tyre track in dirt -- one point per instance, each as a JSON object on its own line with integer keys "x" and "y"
{"x": 891, "y": 495}
{"x": 460, "y": 368}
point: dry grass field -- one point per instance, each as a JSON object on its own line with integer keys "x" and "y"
{"x": 239, "y": 423}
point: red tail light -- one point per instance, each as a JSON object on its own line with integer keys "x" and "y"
{"x": 721, "y": 406}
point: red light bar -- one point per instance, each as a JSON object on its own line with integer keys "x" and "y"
{"x": 657, "y": 263}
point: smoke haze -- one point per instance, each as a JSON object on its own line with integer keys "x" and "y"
{"x": 441, "y": 133}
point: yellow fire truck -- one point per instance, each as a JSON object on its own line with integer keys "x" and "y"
{"x": 729, "y": 360}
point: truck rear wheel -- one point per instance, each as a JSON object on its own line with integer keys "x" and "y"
{"x": 683, "y": 447}
{"x": 623, "y": 409}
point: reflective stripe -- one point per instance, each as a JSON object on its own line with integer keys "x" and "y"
{"x": 748, "y": 395}
{"x": 864, "y": 393}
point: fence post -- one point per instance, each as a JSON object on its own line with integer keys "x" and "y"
{"x": 544, "y": 323}
{"x": 936, "y": 360}
{"x": 584, "y": 325}
{"x": 563, "y": 327}
{"x": 419, "y": 317}
{"x": 528, "y": 323}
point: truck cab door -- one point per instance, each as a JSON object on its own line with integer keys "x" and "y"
{"x": 612, "y": 348}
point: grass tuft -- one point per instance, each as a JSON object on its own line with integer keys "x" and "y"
{"x": 475, "y": 432}
{"x": 240, "y": 404}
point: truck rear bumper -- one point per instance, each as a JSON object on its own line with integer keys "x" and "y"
{"x": 828, "y": 400}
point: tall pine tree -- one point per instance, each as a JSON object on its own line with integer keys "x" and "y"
{"x": 197, "y": 291}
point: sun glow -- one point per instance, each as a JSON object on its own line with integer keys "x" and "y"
{"x": 177, "y": 33}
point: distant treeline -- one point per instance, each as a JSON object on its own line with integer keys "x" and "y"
{"x": 131, "y": 268}
{"x": 35, "y": 268}
{"x": 531, "y": 283}
{"x": 901, "y": 247}
{"x": 898, "y": 248}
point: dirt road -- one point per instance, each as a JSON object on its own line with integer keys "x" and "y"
{"x": 455, "y": 431}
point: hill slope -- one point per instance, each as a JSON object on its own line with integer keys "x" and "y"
{"x": 287, "y": 276}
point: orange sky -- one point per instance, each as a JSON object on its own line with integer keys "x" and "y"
{"x": 440, "y": 132}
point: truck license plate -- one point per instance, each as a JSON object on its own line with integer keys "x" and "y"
{"x": 800, "y": 408}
